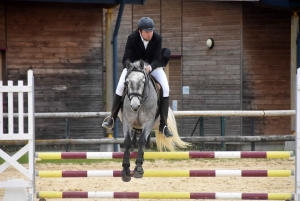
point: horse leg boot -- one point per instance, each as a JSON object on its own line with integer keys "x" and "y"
{"x": 163, "y": 127}
{"x": 126, "y": 177}
{"x": 138, "y": 170}
{"x": 110, "y": 120}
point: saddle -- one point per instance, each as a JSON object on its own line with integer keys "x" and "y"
{"x": 158, "y": 88}
{"x": 159, "y": 92}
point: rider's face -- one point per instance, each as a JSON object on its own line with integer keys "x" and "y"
{"x": 147, "y": 35}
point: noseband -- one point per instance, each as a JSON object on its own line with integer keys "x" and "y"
{"x": 134, "y": 94}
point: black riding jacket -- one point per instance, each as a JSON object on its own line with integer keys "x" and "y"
{"x": 135, "y": 49}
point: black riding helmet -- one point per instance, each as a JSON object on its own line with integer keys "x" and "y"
{"x": 146, "y": 23}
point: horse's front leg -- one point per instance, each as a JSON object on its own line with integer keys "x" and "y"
{"x": 138, "y": 170}
{"x": 126, "y": 177}
{"x": 134, "y": 134}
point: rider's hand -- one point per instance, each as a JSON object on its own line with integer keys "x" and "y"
{"x": 148, "y": 69}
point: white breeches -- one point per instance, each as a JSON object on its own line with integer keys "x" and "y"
{"x": 159, "y": 74}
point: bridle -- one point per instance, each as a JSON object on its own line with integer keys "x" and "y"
{"x": 135, "y": 94}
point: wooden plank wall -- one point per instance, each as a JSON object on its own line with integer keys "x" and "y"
{"x": 213, "y": 76}
{"x": 171, "y": 24}
{"x": 266, "y": 67}
{"x": 173, "y": 30}
{"x": 167, "y": 18}
{"x": 62, "y": 44}
{"x": 2, "y": 26}
{"x": 229, "y": 76}
{"x": 2, "y": 40}
{"x": 152, "y": 9}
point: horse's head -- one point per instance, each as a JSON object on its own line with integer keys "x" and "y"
{"x": 135, "y": 81}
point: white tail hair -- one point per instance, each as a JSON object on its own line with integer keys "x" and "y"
{"x": 170, "y": 143}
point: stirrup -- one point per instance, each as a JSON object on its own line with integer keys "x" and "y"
{"x": 163, "y": 131}
{"x": 112, "y": 126}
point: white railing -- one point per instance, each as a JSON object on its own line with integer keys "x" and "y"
{"x": 18, "y": 188}
{"x": 203, "y": 113}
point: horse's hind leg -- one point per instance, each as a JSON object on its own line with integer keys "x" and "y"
{"x": 148, "y": 143}
{"x": 126, "y": 177}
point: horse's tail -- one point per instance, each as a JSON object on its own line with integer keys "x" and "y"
{"x": 170, "y": 143}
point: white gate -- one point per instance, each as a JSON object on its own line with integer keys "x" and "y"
{"x": 18, "y": 189}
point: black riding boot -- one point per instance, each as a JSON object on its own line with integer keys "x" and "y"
{"x": 110, "y": 120}
{"x": 163, "y": 127}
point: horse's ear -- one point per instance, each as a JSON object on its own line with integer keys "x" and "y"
{"x": 141, "y": 64}
{"x": 128, "y": 63}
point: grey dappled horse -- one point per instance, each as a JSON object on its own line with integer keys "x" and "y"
{"x": 140, "y": 109}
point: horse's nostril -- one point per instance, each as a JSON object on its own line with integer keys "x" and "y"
{"x": 135, "y": 104}
{"x": 135, "y": 108}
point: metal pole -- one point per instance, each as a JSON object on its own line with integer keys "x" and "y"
{"x": 223, "y": 131}
{"x": 206, "y": 113}
{"x": 201, "y": 126}
{"x": 109, "y": 64}
{"x": 115, "y": 54}
{"x": 252, "y": 134}
{"x": 67, "y": 134}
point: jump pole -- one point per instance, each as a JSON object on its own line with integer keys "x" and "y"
{"x": 166, "y": 155}
{"x": 167, "y": 173}
{"x": 167, "y": 195}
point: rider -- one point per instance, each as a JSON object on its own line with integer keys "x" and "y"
{"x": 143, "y": 44}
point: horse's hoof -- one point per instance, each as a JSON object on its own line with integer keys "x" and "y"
{"x": 138, "y": 175}
{"x": 138, "y": 172}
{"x": 126, "y": 177}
